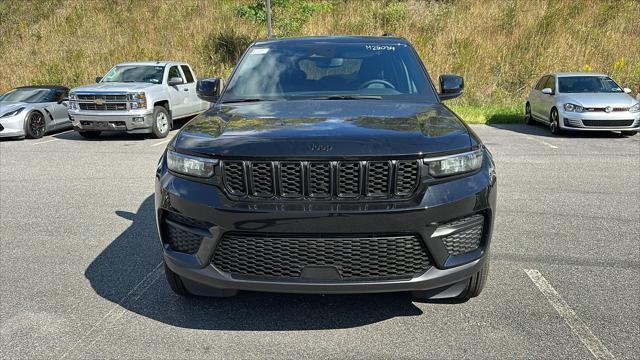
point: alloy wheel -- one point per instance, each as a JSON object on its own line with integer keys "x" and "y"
{"x": 162, "y": 122}
{"x": 36, "y": 124}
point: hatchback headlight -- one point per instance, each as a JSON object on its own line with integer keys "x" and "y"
{"x": 573, "y": 108}
{"x": 191, "y": 165}
{"x": 12, "y": 113}
{"x": 455, "y": 164}
{"x": 635, "y": 108}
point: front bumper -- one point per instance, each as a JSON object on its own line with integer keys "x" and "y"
{"x": 119, "y": 121}
{"x": 599, "y": 121}
{"x": 12, "y": 126}
{"x": 436, "y": 205}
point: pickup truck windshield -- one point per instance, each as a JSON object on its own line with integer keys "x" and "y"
{"x": 135, "y": 73}
{"x": 588, "y": 84}
{"x": 330, "y": 71}
{"x": 28, "y": 95}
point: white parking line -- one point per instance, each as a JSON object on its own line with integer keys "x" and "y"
{"x": 579, "y": 327}
{"x": 44, "y": 142}
{"x": 134, "y": 294}
{"x": 161, "y": 142}
{"x": 542, "y": 142}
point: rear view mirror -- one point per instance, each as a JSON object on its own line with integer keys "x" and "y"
{"x": 451, "y": 86}
{"x": 547, "y": 91}
{"x": 175, "y": 81}
{"x": 98, "y": 79}
{"x": 209, "y": 89}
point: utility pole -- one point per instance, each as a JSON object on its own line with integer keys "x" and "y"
{"x": 269, "y": 32}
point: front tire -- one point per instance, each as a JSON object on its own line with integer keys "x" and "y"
{"x": 629, "y": 133}
{"x": 175, "y": 282}
{"x": 528, "y": 118}
{"x": 554, "y": 122}
{"x": 161, "y": 122}
{"x": 476, "y": 282}
{"x": 35, "y": 126}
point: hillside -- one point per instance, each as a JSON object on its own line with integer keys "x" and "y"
{"x": 501, "y": 47}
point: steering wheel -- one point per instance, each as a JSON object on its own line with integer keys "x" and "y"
{"x": 385, "y": 83}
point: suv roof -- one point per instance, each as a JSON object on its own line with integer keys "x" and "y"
{"x": 343, "y": 39}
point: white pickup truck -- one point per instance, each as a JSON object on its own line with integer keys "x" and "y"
{"x": 139, "y": 97}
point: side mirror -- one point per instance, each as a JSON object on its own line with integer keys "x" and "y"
{"x": 627, "y": 90}
{"x": 175, "y": 81}
{"x": 98, "y": 79}
{"x": 451, "y": 86}
{"x": 547, "y": 91}
{"x": 209, "y": 89}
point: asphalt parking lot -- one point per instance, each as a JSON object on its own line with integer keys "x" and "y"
{"x": 80, "y": 273}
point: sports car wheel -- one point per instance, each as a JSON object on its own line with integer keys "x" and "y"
{"x": 554, "y": 122}
{"x": 35, "y": 126}
{"x": 528, "y": 119}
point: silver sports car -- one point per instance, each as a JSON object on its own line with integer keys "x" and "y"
{"x": 583, "y": 102}
{"x": 32, "y": 111}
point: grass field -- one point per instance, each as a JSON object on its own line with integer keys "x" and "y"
{"x": 501, "y": 47}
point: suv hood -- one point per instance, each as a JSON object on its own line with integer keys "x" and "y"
{"x": 325, "y": 129}
{"x": 115, "y": 87}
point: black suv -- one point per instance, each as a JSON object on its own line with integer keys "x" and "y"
{"x": 327, "y": 165}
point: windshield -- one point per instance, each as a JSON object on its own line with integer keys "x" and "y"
{"x": 135, "y": 73}
{"x": 330, "y": 71}
{"x": 588, "y": 84}
{"x": 28, "y": 95}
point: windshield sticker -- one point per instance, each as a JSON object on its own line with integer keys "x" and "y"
{"x": 259, "y": 51}
{"x": 380, "y": 47}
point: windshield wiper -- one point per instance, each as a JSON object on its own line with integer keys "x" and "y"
{"x": 245, "y": 100}
{"x": 348, "y": 97}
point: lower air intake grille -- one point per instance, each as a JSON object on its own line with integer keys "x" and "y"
{"x": 355, "y": 258}
{"x": 182, "y": 233}
{"x": 605, "y": 123}
{"x": 467, "y": 238}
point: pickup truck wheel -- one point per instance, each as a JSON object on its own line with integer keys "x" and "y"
{"x": 161, "y": 121}
{"x": 89, "y": 134}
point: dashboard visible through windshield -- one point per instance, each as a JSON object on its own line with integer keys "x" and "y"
{"x": 346, "y": 71}
{"x": 135, "y": 73}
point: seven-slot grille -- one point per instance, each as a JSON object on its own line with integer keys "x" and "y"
{"x": 321, "y": 179}
{"x": 354, "y": 257}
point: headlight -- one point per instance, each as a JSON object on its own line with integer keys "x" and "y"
{"x": 12, "y": 113}
{"x": 455, "y": 164}
{"x": 191, "y": 165}
{"x": 138, "y": 100}
{"x": 635, "y": 108}
{"x": 573, "y": 108}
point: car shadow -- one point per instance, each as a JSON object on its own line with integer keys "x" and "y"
{"x": 120, "y": 269}
{"x": 111, "y": 136}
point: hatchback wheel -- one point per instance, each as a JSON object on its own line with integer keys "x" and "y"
{"x": 528, "y": 118}
{"x": 35, "y": 126}
{"x": 554, "y": 122}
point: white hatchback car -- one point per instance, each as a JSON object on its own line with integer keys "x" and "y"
{"x": 582, "y": 102}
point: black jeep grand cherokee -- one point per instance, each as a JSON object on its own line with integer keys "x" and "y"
{"x": 327, "y": 165}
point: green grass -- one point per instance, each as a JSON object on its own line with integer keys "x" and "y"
{"x": 490, "y": 114}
